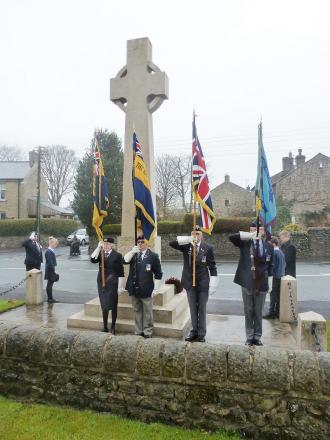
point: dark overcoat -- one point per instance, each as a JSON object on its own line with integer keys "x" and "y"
{"x": 205, "y": 265}
{"x": 113, "y": 269}
{"x": 290, "y": 252}
{"x": 263, "y": 264}
{"x": 50, "y": 258}
{"x": 33, "y": 253}
{"x": 143, "y": 271}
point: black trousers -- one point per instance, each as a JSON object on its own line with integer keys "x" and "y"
{"x": 49, "y": 289}
{"x": 32, "y": 266}
{"x": 274, "y": 306}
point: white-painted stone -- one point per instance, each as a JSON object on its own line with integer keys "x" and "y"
{"x": 288, "y": 299}
{"x": 305, "y": 339}
{"x": 33, "y": 288}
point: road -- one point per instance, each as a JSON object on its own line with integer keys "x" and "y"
{"x": 78, "y": 281}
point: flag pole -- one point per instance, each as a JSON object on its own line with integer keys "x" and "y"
{"x": 135, "y": 273}
{"x": 102, "y": 250}
{"x": 194, "y": 219}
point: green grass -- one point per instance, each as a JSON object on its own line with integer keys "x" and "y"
{"x": 22, "y": 421}
{"x": 7, "y": 304}
{"x": 328, "y": 334}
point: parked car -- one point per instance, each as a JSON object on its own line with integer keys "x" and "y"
{"x": 81, "y": 235}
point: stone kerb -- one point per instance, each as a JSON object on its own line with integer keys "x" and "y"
{"x": 268, "y": 393}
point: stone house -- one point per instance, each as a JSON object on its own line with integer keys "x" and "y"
{"x": 18, "y": 191}
{"x": 305, "y": 185}
{"x": 230, "y": 200}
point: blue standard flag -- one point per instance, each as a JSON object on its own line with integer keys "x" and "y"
{"x": 142, "y": 195}
{"x": 265, "y": 199}
{"x": 100, "y": 193}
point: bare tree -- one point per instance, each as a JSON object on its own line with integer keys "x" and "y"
{"x": 8, "y": 153}
{"x": 166, "y": 183}
{"x": 58, "y": 166}
{"x": 182, "y": 165}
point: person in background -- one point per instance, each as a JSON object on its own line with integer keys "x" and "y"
{"x": 290, "y": 252}
{"x": 74, "y": 246}
{"x": 206, "y": 279}
{"x": 33, "y": 249}
{"x": 50, "y": 274}
{"x": 254, "y": 267}
{"x": 114, "y": 280}
{"x": 278, "y": 273}
{"x": 144, "y": 280}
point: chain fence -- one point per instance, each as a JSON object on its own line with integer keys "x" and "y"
{"x": 15, "y": 286}
{"x": 316, "y": 336}
{"x": 292, "y": 306}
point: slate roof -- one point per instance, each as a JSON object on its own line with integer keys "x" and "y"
{"x": 14, "y": 170}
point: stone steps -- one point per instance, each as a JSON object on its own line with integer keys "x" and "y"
{"x": 171, "y": 314}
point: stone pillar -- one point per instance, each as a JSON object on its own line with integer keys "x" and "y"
{"x": 34, "y": 291}
{"x": 288, "y": 299}
{"x": 305, "y": 338}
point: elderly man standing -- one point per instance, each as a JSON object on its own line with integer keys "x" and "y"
{"x": 206, "y": 279}
{"x": 289, "y": 251}
{"x": 141, "y": 285}
{"x": 254, "y": 267}
{"x": 33, "y": 249}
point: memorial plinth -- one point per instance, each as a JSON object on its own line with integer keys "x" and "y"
{"x": 171, "y": 314}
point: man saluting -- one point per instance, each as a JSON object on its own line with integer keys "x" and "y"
{"x": 206, "y": 279}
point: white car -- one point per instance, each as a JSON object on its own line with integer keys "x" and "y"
{"x": 81, "y": 235}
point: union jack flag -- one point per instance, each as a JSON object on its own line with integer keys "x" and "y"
{"x": 200, "y": 184}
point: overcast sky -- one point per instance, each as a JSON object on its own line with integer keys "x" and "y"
{"x": 232, "y": 60}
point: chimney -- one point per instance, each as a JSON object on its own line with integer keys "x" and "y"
{"x": 227, "y": 178}
{"x": 33, "y": 157}
{"x": 300, "y": 159}
{"x": 287, "y": 163}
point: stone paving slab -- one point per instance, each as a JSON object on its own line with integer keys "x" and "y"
{"x": 227, "y": 329}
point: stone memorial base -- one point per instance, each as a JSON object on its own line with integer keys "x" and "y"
{"x": 171, "y": 314}
{"x": 34, "y": 289}
{"x": 288, "y": 300}
{"x": 305, "y": 338}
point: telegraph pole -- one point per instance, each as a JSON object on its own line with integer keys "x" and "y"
{"x": 38, "y": 192}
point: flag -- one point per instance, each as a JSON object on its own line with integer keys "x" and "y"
{"x": 142, "y": 195}
{"x": 265, "y": 199}
{"x": 201, "y": 185}
{"x": 100, "y": 193}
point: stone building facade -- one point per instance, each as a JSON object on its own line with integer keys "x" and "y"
{"x": 230, "y": 200}
{"x": 18, "y": 191}
{"x": 305, "y": 186}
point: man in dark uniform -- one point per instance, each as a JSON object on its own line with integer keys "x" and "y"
{"x": 144, "y": 266}
{"x": 206, "y": 279}
{"x": 289, "y": 251}
{"x": 114, "y": 280}
{"x": 254, "y": 268}
{"x": 50, "y": 275}
{"x": 33, "y": 249}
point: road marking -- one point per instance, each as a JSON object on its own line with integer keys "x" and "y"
{"x": 85, "y": 270}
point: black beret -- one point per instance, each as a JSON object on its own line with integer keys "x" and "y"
{"x": 140, "y": 237}
{"x": 254, "y": 224}
{"x": 108, "y": 240}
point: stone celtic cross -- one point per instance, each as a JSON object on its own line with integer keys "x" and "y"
{"x": 138, "y": 89}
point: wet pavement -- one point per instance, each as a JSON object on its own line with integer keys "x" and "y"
{"x": 220, "y": 328}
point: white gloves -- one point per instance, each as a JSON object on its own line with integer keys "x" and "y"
{"x": 184, "y": 239}
{"x": 121, "y": 284}
{"x": 157, "y": 286}
{"x": 213, "y": 285}
{"x": 270, "y": 283}
{"x": 247, "y": 235}
{"x": 130, "y": 254}
{"x": 97, "y": 251}
{"x": 32, "y": 236}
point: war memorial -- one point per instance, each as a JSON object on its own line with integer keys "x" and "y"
{"x": 278, "y": 391}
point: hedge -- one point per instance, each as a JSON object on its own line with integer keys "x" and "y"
{"x": 176, "y": 227}
{"x": 48, "y": 226}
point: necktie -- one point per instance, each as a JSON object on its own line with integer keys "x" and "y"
{"x": 140, "y": 256}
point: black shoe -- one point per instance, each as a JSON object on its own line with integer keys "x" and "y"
{"x": 105, "y": 330}
{"x": 113, "y": 330}
{"x": 257, "y": 342}
{"x": 191, "y": 337}
{"x": 200, "y": 339}
{"x": 139, "y": 334}
{"x": 269, "y": 316}
{"x": 147, "y": 336}
{"x": 52, "y": 301}
{"x": 249, "y": 342}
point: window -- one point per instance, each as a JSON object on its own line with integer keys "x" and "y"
{"x": 226, "y": 202}
{"x": 2, "y": 215}
{"x": 2, "y": 191}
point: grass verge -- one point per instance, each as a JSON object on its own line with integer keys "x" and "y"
{"x": 25, "y": 421}
{"x": 7, "y": 304}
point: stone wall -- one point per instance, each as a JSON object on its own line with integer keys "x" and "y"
{"x": 264, "y": 392}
